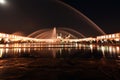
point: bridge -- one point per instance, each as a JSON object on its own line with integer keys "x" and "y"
{"x": 109, "y": 38}
{"x": 9, "y": 38}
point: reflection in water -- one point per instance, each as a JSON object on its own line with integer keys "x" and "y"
{"x": 59, "y": 51}
{"x": 110, "y": 51}
{"x": 21, "y": 62}
{"x": 1, "y": 52}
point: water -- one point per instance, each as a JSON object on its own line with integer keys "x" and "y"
{"x": 59, "y": 51}
{"x": 66, "y": 62}
{"x": 53, "y": 33}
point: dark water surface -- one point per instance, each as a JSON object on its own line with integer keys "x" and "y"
{"x": 66, "y": 62}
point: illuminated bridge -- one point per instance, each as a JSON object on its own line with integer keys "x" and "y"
{"x": 109, "y": 38}
{"x": 8, "y": 38}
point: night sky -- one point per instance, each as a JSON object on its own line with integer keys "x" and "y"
{"x": 105, "y": 13}
{"x": 27, "y": 16}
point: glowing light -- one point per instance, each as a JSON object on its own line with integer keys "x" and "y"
{"x": 103, "y": 50}
{"x": 110, "y": 36}
{"x": 1, "y": 52}
{"x": 2, "y": 1}
{"x": 113, "y": 35}
{"x": 91, "y": 48}
{"x": 54, "y": 34}
{"x": 118, "y": 49}
{"x": 116, "y": 39}
{"x": 110, "y": 49}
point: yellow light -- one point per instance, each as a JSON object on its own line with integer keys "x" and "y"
{"x": 118, "y": 49}
{"x": 1, "y": 52}
{"x": 113, "y": 35}
{"x": 110, "y": 36}
{"x": 2, "y": 1}
{"x": 116, "y": 39}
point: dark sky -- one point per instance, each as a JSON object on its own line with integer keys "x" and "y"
{"x": 105, "y": 13}
{"x": 28, "y": 16}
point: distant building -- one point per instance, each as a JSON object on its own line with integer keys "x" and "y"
{"x": 115, "y": 36}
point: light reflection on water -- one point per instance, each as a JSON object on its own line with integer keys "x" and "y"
{"x": 59, "y": 51}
